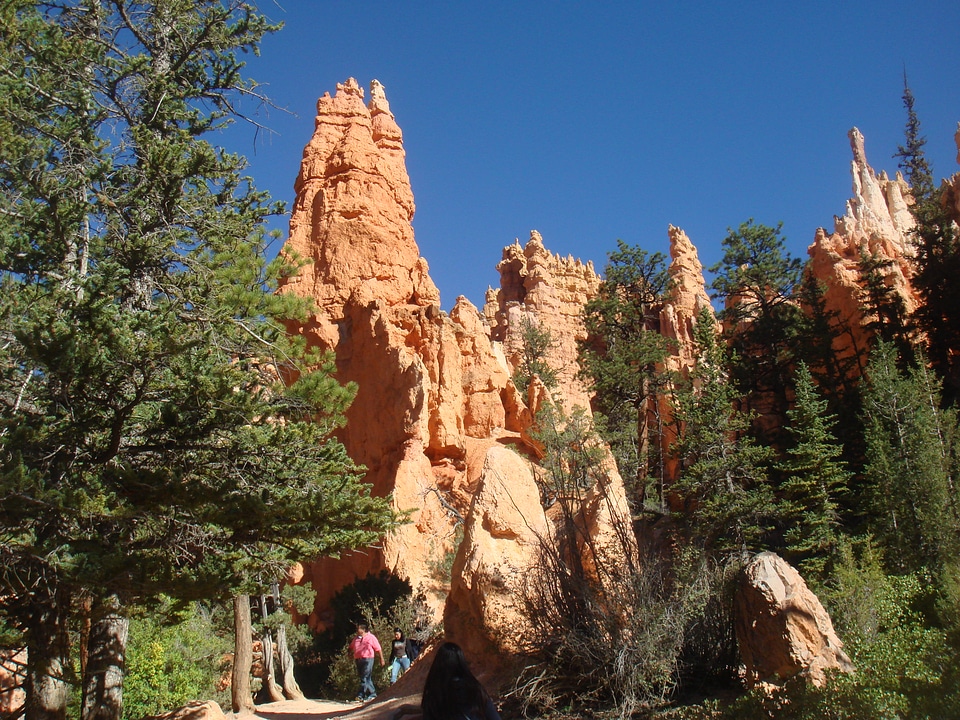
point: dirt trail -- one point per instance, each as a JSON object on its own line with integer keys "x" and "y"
{"x": 379, "y": 709}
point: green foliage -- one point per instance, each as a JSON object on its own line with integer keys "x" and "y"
{"x": 884, "y": 307}
{"x": 172, "y": 663}
{"x": 536, "y": 342}
{"x": 724, "y": 494}
{"x": 911, "y": 464}
{"x": 937, "y": 259}
{"x": 913, "y": 162}
{"x": 148, "y": 442}
{"x": 143, "y": 338}
{"x": 622, "y": 360}
{"x": 756, "y": 279}
{"x": 822, "y": 329}
{"x": 812, "y": 477}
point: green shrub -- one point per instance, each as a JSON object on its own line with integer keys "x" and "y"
{"x": 905, "y": 665}
{"x": 169, "y": 665}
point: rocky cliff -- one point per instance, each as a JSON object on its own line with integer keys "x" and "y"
{"x": 877, "y": 223}
{"x": 550, "y": 291}
{"x": 437, "y": 420}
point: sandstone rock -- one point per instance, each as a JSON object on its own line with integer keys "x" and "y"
{"x": 13, "y": 668}
{"x": 951, "y": 195}
{"x": 501, "y": 540}
{"x": 782, "y": 628}
{"x": 551, "y": 291}
{"x": 434, "y": 390}
{"x": 197, "y": 710}
{"x": 877, "y": 221}
{"x": 686, "y": 297}
{"x": 956, "y": 139}
{"x": 352, "y": 214}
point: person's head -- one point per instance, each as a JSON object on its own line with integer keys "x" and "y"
{"x": 362, "y": 628}
{"x": 397, "y": 634}
{"x": 450, "y": 686}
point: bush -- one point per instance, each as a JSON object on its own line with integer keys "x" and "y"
{"x": 174, "y": 659}
{"x": 905, "y": 665}
{"x": 611, "y": 628}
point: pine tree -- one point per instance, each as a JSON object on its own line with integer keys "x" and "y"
{"x": 883, "y": 307}
{"x": 723, "y": 498}
{"x": 813, "y": 476}
{"x": 937, "y": 258}
{"x": 911, "y": 464}
{"x": 836, "y": 376}
{"x": 622, "y": 359}
{"x": 148, "y": 443}
{"x": 537, "y": 341}
{"x": 756, "y": 279}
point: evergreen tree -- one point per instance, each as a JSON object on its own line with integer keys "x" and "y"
{"x": 147, "y": 442}
{"x": 883, "y": 307}
{"x": 913, "y": 157}
{"x": 911, "y": 465}
{"x": 724, "y": 499}
{"x": 622, "y": 359}
{"x": 836, "y": 375}
{"x": 813, "y": 476}
{"x": 756, "y": 279}
{"x": 537, "y": 342}
{"x": 937, "y": 257}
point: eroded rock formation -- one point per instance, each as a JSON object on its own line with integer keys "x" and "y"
{"x": 548, "y": 290}
{"x": 437, "y": 420}
{"x": 782, "y": 628}
{"x": 877, "y": 222}
{"x": 13, "y": 678}
{"x": 951, "y": 195}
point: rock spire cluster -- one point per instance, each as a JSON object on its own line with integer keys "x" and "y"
{"x": 877, "y": 223}
{"x": 438, "y": 421}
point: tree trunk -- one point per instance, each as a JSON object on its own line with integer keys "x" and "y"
{"x": 291, "y": 689}
{"x": 47, "y": 655}
{"x": 85, "y": 604}
{"x": 269, "y": 690}
{"x": 106, "y": 660}
{"x": 241, "y": 699}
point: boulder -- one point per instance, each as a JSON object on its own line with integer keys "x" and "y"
{"x": 502, "y": 537}
{"x": 196, "y": 710}
{"x": 783, "y": 630}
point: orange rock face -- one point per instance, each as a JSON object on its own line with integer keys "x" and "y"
{"x": 878, "y": 222}
{"x": 13, "y": 676}
{"x": 436, "y": 415}
{"x": 686, "y": 299}
{"x": 550, "y": 291}
{"x": 782, "y": 628}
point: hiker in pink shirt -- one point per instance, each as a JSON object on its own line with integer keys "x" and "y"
{"x": 363, "y": 647}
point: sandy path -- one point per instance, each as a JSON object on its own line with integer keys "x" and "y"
{"x": 379, "y": 709}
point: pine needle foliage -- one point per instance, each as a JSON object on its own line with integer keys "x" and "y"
{"x": 160, "y": 433}
{"x": 813, "y": 477}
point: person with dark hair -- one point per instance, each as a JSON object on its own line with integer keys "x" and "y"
{"x": 404, "y": 652}
{"x": 451, "y": 691}
{"x": 363, "y": 647}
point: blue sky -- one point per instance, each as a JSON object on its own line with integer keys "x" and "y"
{"x": 593, "y": 122}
